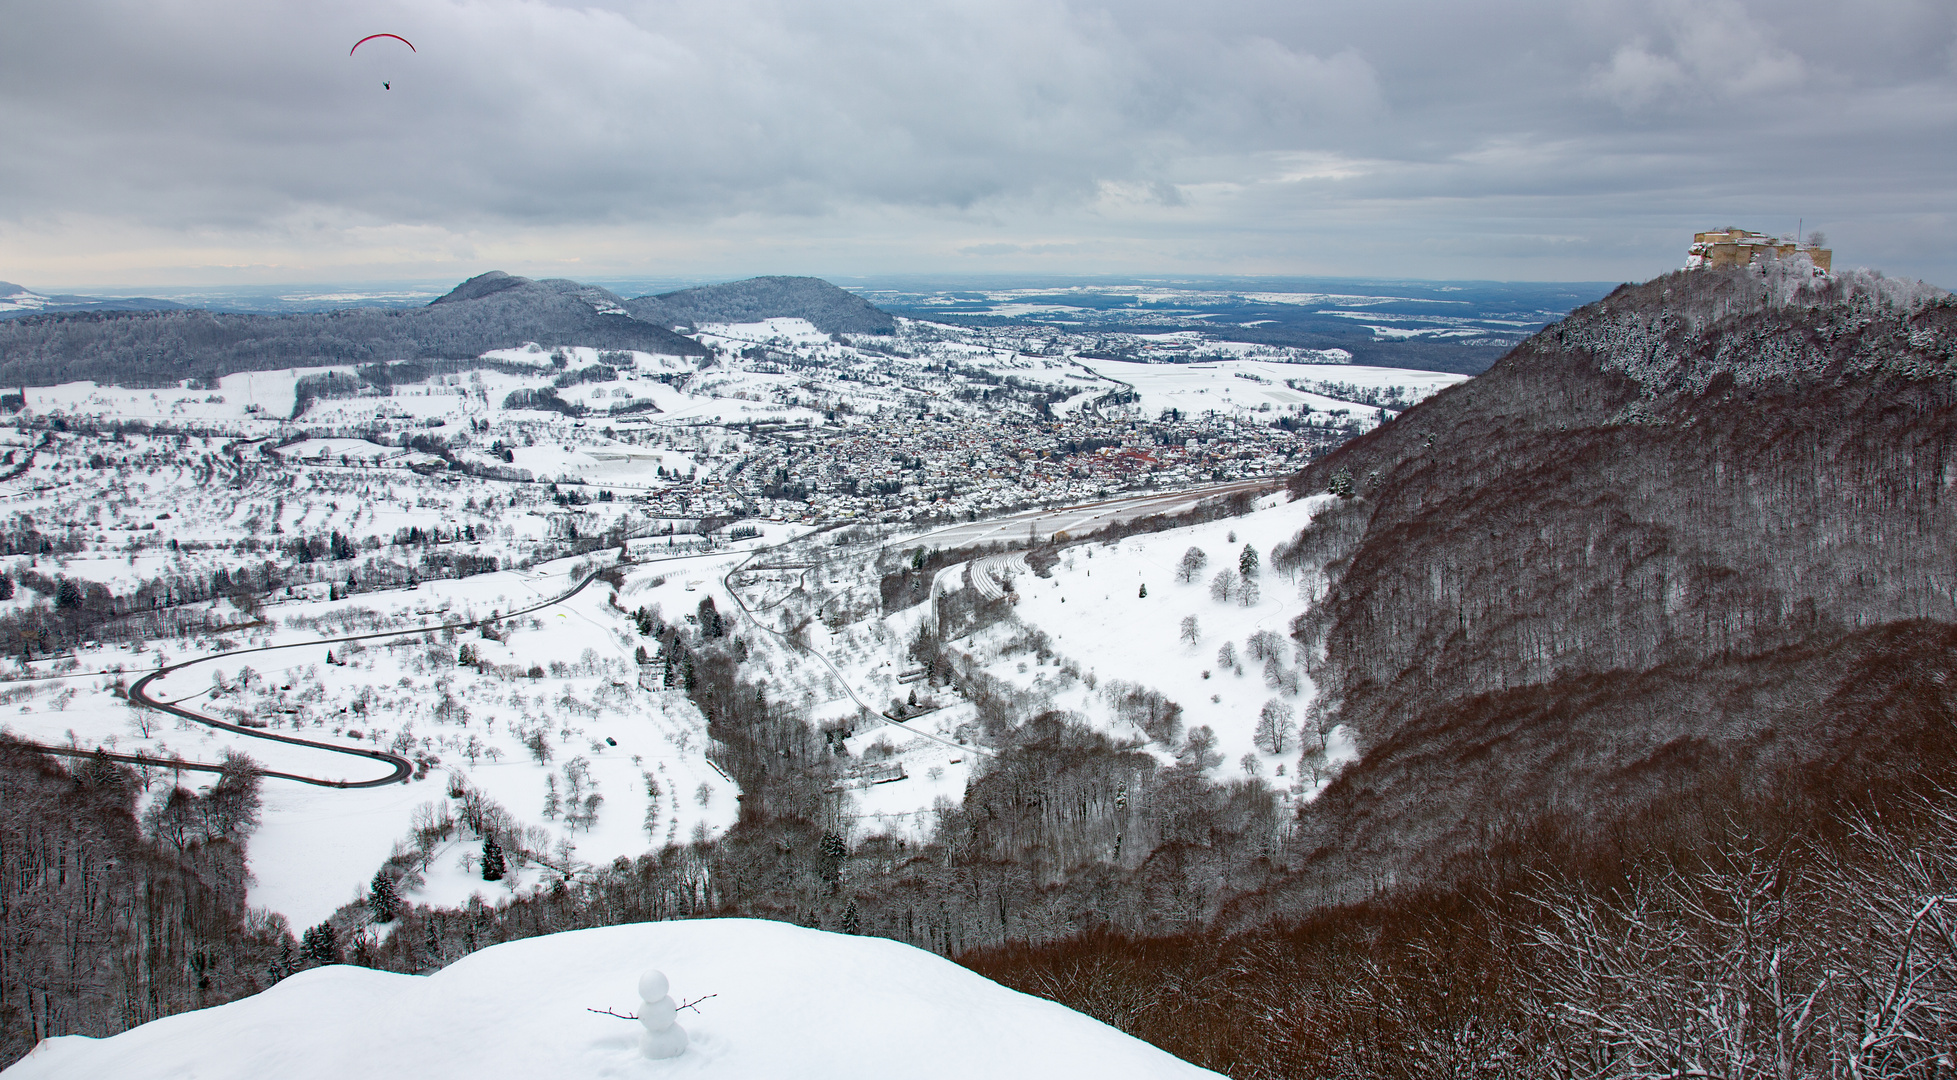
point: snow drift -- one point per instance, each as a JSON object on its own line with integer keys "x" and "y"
{"x": 786, "y": 1001}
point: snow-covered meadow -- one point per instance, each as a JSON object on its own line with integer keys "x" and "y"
{"x": 1263, "y": 386}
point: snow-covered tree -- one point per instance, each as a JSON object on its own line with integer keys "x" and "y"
{"x": 320, "y": 945}
{"x": 1273, "y": 733}
{"x": 382, "y": 901}
{"x": 1191, "y": 565}
{"x": 1263, "y": 645}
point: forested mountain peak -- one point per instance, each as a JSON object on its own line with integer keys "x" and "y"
{"x": 1680, "y": 332}
{"x": 1690, "y": 542}
{"x": 490, "y": 311}
{"x": 481, "y": 285}
{"x": 830, "y": 309}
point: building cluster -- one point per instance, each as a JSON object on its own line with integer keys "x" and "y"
{"x": 960, "y": 466}
{"x": 1738, "y": 247}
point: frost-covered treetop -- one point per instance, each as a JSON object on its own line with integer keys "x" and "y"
{"x": 1778, "y": 322}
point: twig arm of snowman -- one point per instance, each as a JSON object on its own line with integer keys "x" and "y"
{"x": 635, "y": 1016}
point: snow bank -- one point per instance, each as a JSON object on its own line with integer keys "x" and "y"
{"x": 788, "y": 1002}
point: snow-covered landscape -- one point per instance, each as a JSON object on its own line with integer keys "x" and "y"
{"x": 334, "y": 556}
{"x": 543, "y": 538}
{"x": 483, "y": 639}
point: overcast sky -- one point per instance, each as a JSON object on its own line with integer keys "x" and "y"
{"x": 218, "y": 141}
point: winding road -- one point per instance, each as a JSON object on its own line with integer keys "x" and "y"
{"x": 401, "y": 767}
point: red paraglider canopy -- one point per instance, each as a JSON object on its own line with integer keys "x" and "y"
{"x": 370, "y": 37}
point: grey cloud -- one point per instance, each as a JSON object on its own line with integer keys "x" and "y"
{"x": 873, "y": 135}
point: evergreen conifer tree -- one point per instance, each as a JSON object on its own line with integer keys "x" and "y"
{"x": 382, "y": 901}
{"x": 493, "y": 866}
{"x": 852, "y": 920}
{"x": 320, "y": 945}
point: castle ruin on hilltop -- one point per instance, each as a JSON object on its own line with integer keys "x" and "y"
{"x": 1738, "y": 247}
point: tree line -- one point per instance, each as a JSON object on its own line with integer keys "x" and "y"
{"x": 106, "y": 921}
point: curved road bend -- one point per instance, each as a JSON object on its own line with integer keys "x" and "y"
{"x": 401, "y": 768}
{"x": 177, "y": 764}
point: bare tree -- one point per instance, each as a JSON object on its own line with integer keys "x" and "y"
{"x": 143, "y": 720}
{"x": 1273, "y": 733}
{"x": 1709, "y": 970}
{"x": 1894, "y": 916}
{"x": 1263, "y": 645}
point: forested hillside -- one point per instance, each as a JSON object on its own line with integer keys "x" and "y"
{"x": 491, "y": 311}
{"x": 1698, "y": 536}
{"x": 830, "y": 309}
{"x": 107, "y": 922}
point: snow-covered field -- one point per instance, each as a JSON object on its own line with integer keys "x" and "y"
{"x": 1083, "y": 640}
{"x": 1100, "y": 624}
{"x": 1262, "y": 386}
{"x": 779, "y": 1001}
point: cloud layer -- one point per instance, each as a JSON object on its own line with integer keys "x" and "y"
{"x": 227, "y": 139}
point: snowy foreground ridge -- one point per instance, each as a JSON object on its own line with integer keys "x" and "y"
{"x": 788, "y": 1002}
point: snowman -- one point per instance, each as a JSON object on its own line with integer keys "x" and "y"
{"x": 663, "y": 1037}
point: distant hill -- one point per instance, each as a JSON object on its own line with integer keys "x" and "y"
{"x": 18, "y": 300}
{"x": 491, "y": 311}
{"x": 830, "y": 309}
{"x": 1693, "y": 543}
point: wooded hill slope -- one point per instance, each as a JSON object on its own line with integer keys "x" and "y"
{"x": 830, "y": 309}
{"x": 1697, "y": 539}
{"x": 489, "y": 311}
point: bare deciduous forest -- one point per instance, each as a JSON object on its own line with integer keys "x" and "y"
{"x": 107, "y": 922}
